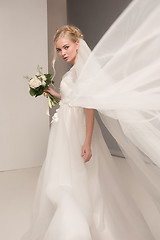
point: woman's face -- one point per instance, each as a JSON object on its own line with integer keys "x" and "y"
{"x": 67, "y": 49}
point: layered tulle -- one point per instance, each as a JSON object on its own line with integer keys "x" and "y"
{"x": 92, "y": 201}
{"x": 119, "y": 78}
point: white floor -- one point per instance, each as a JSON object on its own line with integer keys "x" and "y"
{"x": 17, "y": 191}
{"x": 16, "y": 196}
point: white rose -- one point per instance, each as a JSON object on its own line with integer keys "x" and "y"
{"x": 43, "y": 83}
{"x": 38, "y": 74}
{"x": 44, "y": 77}
{"x": 34, "y": 82}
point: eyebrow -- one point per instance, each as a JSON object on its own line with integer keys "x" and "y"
{"x": 63, "y": 45}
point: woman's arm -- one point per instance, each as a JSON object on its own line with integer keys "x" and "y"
{"x": 86, "y": 148}
{"x": 53, "y": 93}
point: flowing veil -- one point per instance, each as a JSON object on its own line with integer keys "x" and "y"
{"x": 121, "y": 79}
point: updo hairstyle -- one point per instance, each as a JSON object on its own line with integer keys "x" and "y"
{"x": 72, "y": 32}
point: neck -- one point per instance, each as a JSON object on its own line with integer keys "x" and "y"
{"x": 73, "y": 61}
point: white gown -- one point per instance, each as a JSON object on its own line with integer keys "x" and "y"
{"x": 82, "y": 201}
{"x": 95, "y": 200}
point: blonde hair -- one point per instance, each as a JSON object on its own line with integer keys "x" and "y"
{"x": 70, "y": 31}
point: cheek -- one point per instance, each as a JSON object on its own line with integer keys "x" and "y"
{"x": 60, "y": 54}
{"x": 72, "y": 52}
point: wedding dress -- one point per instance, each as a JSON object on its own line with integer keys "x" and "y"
{"x": 120, "y": 78}
{"x": 77, "y": 200}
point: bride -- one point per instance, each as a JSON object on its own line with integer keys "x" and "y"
{"x": 67, "y": 44}
{"x": 81, "y": 195}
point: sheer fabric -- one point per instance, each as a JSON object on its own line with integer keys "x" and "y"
{"x": 119, "y": 78}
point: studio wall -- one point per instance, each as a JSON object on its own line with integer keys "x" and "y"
{"x": 24, "y": 125}
{"x": 26, "y": 40}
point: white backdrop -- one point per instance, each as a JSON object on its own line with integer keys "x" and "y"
{"x": 24, "y": 125}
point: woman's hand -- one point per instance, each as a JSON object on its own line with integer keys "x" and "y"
{"x": 52, "y": 92}
{"x": 45, "y": 94}
{"x": 86, "y": 152}
{"x": 86, "y": 148}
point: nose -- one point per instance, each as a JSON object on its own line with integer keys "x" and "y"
{"x": 63, "y": 52}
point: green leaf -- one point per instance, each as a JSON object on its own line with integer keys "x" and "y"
{"x": 48, "y": 75}
{"x": 32, "y": 92}
{"x": 46, "y": 87}
{"x": 38, "y": 88}
{"x": 39, "y": 92}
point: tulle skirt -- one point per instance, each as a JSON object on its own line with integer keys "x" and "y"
{"x": 97, "y": 200}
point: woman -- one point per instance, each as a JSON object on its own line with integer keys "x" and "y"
{"x": 69, "y": 199}
{"x": 89, "y": 199}
{"x": 67, "y": 48}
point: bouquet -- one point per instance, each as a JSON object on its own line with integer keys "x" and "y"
{"x": 39, "y": 83}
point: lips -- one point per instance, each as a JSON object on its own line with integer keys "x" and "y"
{"x": 65, "y": 58}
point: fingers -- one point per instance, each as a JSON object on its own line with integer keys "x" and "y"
{"x": 86, "y": 153}
{"x": 47, "y": 90}
{"x": 87, "y": 157}
{"x": 45, "y": 94}
{"x": 83, "y": 152}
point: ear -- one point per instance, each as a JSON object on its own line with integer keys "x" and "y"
{"x": 77, "y": 43}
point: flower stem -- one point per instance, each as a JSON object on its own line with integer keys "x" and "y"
{"x": 53, "y": 99}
